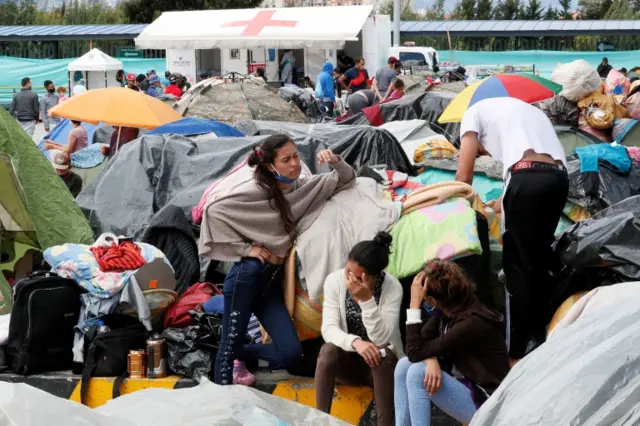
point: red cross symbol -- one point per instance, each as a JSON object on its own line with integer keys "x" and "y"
{"x": 259, "y": 22}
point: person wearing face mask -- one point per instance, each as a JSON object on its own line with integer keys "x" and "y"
{"x": 252, "y": 218}
{"x": 458, "y": 358}
{"x": 48, "y": 101}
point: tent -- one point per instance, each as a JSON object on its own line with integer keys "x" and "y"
{"x": 36, "y": 208}
{"x": 98, "y": 70}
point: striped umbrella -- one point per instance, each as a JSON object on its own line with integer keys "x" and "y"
{"x": 526, "y": 87}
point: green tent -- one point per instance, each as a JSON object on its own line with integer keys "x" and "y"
{"x": 36, "y": 208}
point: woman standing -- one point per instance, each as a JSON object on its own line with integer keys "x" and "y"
{"x": 360, "y": 325}
{"x": 254, "y": 224}
{"x": 455, "y": 360}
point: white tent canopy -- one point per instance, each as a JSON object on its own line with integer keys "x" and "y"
{"x": 281, "y": 28}
{"x": 95, "y": 60}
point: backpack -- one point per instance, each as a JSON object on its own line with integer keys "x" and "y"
{"x": 178, "y": 314}
{"x": 41, "y": 329}
{"x": 106, "y": 354}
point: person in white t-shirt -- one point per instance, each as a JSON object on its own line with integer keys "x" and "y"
{"x": 522, "y": 138}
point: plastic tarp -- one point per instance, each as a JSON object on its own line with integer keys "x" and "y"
{"x": 230, "y": 102}
{"x": 280, "y": 28}
{"x": 587, "y": 374}
{"x": 156, "y": 171}
{"x": 610, "y": 240}
{"x": 358, "y": 145}
{"x": 598, "y": 190}
{"x": 560, "y": 110}
{"x": 206, "y": 404}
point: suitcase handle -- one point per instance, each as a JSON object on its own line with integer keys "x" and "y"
{"x": 35, "y": 274}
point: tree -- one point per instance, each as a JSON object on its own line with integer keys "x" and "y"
{"x": 533, "y": 11}
{"x": 485, "y": 8}
{"x": 465, "y": 10}
{"x": 406, "y": 14}
{"x": 145, "y": 11}
{"x": 565, "y": 9}
{"x": 594, "y": 9}
{"x": 435, "y": 12}
{"x": 508, "y": 10}
{"x": 551, "y": 14}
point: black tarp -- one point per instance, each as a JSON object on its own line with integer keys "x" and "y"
{"x": 426, "y": 106}
{"x": 156, "y": 171}
{"x": 358, "y": 145}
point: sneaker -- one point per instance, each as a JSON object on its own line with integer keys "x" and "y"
{"x": 242, "y": 376}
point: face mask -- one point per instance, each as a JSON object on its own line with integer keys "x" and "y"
{"x": 51, "y": 90}
{"x": 281, "y": 178}
{"x": 430, "y": 310}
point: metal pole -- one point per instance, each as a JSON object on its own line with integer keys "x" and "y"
{"x": 396, "y": 22}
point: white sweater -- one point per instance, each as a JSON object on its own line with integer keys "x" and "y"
{"x": 380, "y": 321}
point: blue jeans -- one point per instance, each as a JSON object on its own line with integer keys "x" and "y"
{"x": 250, "y": 287}
{"x": 413, "y": 402}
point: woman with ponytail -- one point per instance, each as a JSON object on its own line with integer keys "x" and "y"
{"x": 360, "y": 325}
{"x": 254, "y": 221}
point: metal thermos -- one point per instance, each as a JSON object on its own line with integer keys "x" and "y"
{"x": 156, "y": 360}
{"x": 137, "y": 365}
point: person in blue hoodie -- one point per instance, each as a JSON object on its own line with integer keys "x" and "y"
{"x": 325, "y": 89}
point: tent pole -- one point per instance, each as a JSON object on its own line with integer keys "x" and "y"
{"x": 118, "y": 140}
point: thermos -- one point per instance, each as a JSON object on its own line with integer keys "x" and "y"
{"x": 136, "y": 364}
{"x": 156, "y": 362}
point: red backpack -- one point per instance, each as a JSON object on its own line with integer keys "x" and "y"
{"x": 177, "y": 315}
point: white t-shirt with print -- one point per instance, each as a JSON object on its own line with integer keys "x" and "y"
{"x": 508, "y": 127}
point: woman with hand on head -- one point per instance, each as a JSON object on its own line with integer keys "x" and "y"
{"x": 254, "y": 224}
{"x": 360, "y": 325}
{"x": 455, "y": 360}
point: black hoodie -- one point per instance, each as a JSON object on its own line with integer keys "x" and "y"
{"x": 472, "y": 339}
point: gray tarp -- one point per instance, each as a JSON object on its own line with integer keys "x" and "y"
{"x": 585, "y": 375}
{"x": 156, "y": 171}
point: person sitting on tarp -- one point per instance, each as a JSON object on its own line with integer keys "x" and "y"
{"x": 325, "y": 90}
{"x": 78, "y": 139}
{"x": 62, "y": 163}
{"x": 253, "y": 220}
{"x": 455, "y": 360}
{"x": 155, "y": 88}
{"x": 522, "y": 138}
{"x": 360, "y": 327}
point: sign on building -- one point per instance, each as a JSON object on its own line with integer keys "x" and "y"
{"x": 130, "y": 52}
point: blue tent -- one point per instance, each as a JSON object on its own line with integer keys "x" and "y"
{"x": 197, "y": 126}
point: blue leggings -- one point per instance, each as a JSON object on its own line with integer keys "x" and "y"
{"x": 251, "y": 286}
{"x": 413, "y": 402}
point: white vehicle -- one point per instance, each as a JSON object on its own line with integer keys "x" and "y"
{"x": 416, "y": 58}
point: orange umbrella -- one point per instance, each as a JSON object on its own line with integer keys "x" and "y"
{"x": 117, "y": 107}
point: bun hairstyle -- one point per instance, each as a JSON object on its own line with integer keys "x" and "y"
{"x": 373, "y": 255}
{"x": 447, "y": 283}
{"x": 261, "y": 157}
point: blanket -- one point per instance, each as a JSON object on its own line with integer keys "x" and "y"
{"x": 436, "y": 194}
{"x": 350, "y": 216}
{"x": 75, "y": 261}
{"x": 445, "y": 231}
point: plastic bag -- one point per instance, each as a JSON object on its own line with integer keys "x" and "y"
{"x": 577, "y": 78}
{"x": 616, "y": 83}
{"x": 561, "y": 111}
{"x": 178, "y": 314}
{"x": 192, "y": 350}
{"x": 603, "y": 135}
{"x": 598, "y": 109}
{"x": 633, "y": 101}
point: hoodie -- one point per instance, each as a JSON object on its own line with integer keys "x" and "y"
{"x": 472, "y": 340}
{"x": 324, "y": 83}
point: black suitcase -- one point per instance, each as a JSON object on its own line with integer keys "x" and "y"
{"x": 45, "y": 311}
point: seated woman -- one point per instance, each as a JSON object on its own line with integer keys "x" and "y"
{"x": 455, "y": 360}
{"x": 77, "y": 140}
{"x": 253, "y": 223}
{"x": 360, "y": 325}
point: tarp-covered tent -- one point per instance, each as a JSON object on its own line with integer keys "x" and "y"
{"x": 280, "y": 28}
{"x": 154, "y": 172}
{"x": 358, "y": 145}
{"x": 98, "y": 69}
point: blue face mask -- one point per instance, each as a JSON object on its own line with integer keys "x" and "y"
{"x": 434, "y": 312}
{"x": 281, "y": 178}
